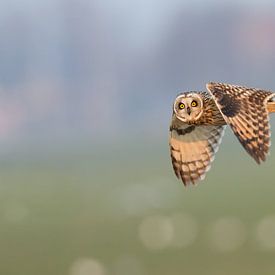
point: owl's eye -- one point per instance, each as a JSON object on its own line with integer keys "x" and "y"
{"x": 181, "y": 106}
{"x": 194, "y": 103}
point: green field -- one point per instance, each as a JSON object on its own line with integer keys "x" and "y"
{"x": 118, "y": 209}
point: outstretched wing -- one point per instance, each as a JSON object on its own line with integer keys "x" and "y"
{"x": 245, "y": 110}
{"x": 192, "y": 150}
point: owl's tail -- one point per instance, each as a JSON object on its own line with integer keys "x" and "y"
{"x": 271, "y": 107}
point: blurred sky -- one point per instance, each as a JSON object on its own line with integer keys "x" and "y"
{"x": 90, "y": 69}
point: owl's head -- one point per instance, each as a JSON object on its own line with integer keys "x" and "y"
{"x": 188, "y": 107}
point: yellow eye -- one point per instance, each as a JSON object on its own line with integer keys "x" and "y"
{"x": 194, "y": 103}
{"x": 181, "y": 106}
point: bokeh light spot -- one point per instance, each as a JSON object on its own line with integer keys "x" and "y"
{"x": 86, "y": 266}
{"x": 265, "y": 233}
{"x": 156, "y": 232}
{"x": 227, "y": 234}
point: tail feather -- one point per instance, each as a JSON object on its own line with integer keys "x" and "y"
{"x": 271, "y": 107}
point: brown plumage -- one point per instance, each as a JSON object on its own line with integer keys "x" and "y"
{"x": 199, "y": 120}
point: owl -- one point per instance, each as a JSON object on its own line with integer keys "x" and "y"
{"x": 200, "y": 118}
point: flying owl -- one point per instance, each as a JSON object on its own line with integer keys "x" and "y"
{"x": 200, "y": 118}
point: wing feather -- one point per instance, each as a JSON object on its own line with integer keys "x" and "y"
{"x": 245, "y": 110}
{"x": 192, "y": 151}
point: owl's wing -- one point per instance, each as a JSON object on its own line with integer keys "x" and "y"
{"x": 245, "y": 110}
{"x": 192, "y": 150}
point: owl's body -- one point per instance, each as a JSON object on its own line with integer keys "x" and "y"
{"x": 199, "y": 120}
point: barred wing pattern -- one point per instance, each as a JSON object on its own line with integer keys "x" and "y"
{"x": 192, "y": 150}
{"x": 245, "y": 110}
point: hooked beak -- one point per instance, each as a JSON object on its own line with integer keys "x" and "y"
{"x": 188, "y": 110}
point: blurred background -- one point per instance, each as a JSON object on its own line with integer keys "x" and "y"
{"x": 86, "y": 183}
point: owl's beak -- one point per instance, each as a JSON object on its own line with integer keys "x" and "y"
{"x": 188, "y": 110}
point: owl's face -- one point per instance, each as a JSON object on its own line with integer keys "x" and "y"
{"x": 188, "y": 107}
